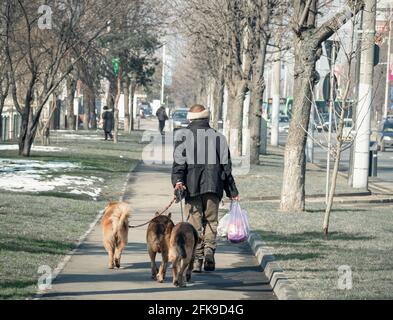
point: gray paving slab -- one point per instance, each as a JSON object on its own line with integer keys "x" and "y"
{"x": 238, "y": 275}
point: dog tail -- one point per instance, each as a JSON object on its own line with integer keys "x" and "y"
{"x": 181, "y": 246}
{"x": 177, "y": 250}
{"x": 120, "y": 216}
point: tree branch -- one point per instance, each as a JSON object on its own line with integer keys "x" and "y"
{"x": 331, "y": 26}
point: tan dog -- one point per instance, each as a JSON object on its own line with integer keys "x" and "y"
{"x": 158, "y": 237}
{"x": 115, "y": 231}
{"x": 183, "y": 242}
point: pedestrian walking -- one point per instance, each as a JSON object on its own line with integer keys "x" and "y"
{"x": 162, "y": 118}
{"x": 108, "y": 122}
{"x": 203, "y": 180}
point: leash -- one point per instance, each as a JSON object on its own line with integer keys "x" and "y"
{"x": 180, "y": 196}
{"x": 159, "y": 214}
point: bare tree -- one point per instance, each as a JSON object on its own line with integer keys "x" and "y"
{"x": 36, "y": 57}
{"x": 308, "y": 40}
{"x": 229, "y": 39}
{"x": 4, "y": 74}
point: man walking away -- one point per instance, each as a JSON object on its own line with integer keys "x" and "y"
{"x": 203, "y": 176}
{"x": 162, "y": 118}
{"x": 107, "y": 116}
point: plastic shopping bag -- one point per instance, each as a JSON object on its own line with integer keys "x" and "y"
{"x": 238, "y": 228}
{"x": 223, "y": 224}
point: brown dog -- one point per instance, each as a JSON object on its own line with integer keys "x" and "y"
{"x": 115, "y": 231}
{"x": 158, "y": 237}
{"x": 183, "y": 242}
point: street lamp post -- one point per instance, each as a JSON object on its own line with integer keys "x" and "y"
{"x": 163, "y": 74}
{"x": 388, "y": 70}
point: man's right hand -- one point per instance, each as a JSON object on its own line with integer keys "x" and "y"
{"x": 179, "y": 192}
{"x": 179, "y": 186}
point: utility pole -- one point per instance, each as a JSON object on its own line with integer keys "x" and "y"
{"x": 388, "y": 70}
{"x": 358, "y": 27}
{"x": 363, "y": 112}
{"x": 163, "y": 74}
{"x": 276, "y": 86}
{"x": 285, "y": 93}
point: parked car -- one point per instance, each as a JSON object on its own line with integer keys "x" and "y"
{"x": 145, "y": 111}
{"x": 322, "y": 123}
{"x": 283, "y": 125}
{"x": 179, "y": 119}
{"x": 349, "y": 132}
{"x": 385, "y": 135}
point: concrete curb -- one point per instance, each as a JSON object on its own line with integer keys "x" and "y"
{"x": 338, "y": 200}
{"x": 278, "y": 280}
{"x": 310, "y": 196}
{"x": 63, "y": 263}
{"x": 375, "y": 188}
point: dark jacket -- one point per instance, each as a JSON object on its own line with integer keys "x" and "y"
{"x": 161, "y": 114}
{"x": 108, "y": 118}
{"x": 213, "y": 172}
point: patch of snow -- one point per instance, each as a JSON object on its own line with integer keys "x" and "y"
{"x": 11, "y": 147}
{"x": 36, "y": 176}
{"x": 31, "y": 166}
{"x": 94, "y": 193}
{"x": 73, "y": 136}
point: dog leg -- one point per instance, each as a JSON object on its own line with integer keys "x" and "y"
{"x": 154, "y": 269}
{"x": 189, "y": 269}
{"x": 180, "y": 276}
{"x": 110, "y": 249}
{"x": 163, "y": 267}
{"x": 175, "y": 268}
{"x": 118, "y": 252}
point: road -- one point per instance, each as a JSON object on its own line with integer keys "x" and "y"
{"x": 385, "y": 159}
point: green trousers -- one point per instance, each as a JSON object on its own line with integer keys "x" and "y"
{"x": 202, "y": 213}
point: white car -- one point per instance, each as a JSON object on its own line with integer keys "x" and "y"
{"x": 179, "y": 119}
{"x": 349, "y": 132}
{"x": 283, "y": 126}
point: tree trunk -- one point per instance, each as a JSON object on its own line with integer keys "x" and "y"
{"x": 87, "y": 106}
{"x": 48, "y": 125}
{"x": 93, "y": 112}
{"x": 132, "y": 91}
{"x": 235, "y": 117}
{"x": 1, "y": 123}
{"x": 110, "y": 100}
{"x": 27, "y": 134}
{"x": 255, "y": 113}
{"x": 293, "y": 190}
{"x": 218, "y": 101}
{"x": 116, "y": 107}
{"x": 127, "y": 105}
{"x": 52, "y": 108}
{"x": 335, "y": 172}
{"x": 2, "y": 101}
{"x": 71, "y": 88}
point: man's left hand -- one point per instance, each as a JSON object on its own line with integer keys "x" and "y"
{"x": 237, "y": 198}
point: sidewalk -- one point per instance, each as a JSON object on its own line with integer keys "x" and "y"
{"x": 86, "y": 277}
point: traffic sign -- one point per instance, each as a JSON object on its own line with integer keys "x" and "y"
{"x": 326, "y": 88}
